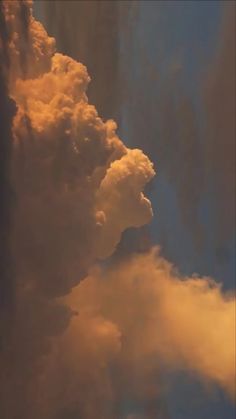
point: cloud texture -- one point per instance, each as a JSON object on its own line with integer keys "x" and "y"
{"x": 81, "y": 338}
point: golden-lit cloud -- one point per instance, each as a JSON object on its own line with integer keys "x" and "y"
{"x": 69, "y": 165}
{"x": 185, "y": 322}
{"x": 77, "y": 187}
{"x": 78, "y": 347}
{"x": 136, "y": 318}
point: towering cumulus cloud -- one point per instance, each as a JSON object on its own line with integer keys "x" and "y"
{"x": 83, "y": 339}
{"x": 77, "y": 189}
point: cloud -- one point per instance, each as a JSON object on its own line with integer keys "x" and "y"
{"x": 135, "y": 319}
{"x": 82, "y": 338}
{"x": 68, "y": 169}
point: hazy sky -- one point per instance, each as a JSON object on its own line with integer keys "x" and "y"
{"x": 182, "y": 37}
{"x": 180, "y": 40}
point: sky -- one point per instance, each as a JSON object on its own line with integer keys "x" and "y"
{"x": 165, "y": 71}
{"x": 185, "y": 35}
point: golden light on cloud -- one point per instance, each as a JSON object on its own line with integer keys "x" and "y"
{"x": 77, "y": 189}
